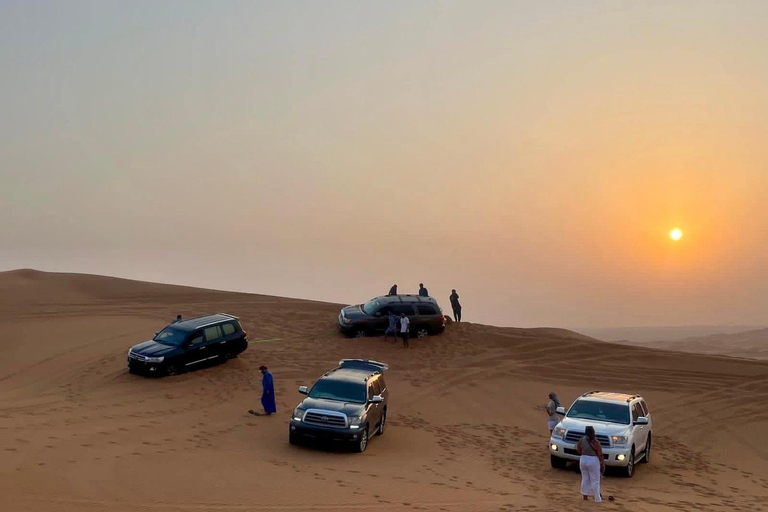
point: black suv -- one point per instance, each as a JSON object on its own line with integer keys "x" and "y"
{"x": 189, "y": 343}
{"x": 370, "y": 319}
{"x": 347, "y": 404}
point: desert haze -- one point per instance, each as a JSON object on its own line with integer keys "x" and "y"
{"x": 78, "y": 432}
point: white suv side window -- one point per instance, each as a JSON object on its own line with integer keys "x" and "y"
{"x": 636, "y": 411}
{"x": 644, "y": 408}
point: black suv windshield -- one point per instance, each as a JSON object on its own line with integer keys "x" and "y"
{"x": 338, "y": 390}
{"x": 600, "y": 411}
{"x": 170, "y": 336}
{"x": 371, "y": 307}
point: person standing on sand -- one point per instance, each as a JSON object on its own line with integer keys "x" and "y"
{"x": 393, "y": 290}
{"x": 405, "y": 327}
{"x": 267, "y": 393}
{"x": 592, "y": 464}
{"x": 392, "y": 328}
{"x": 178, "y": 319}
{"x": 423, "y": 291}
{"x": 551, "y": 407}
{"x": 455, "y": 306}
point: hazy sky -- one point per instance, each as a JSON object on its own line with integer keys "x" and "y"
{"x": 532, "y": 155}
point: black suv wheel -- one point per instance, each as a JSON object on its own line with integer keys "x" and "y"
{"x": 422, "y": 333}
{"x": 172, "y": 369}
{"x": 383, "y": 424}
{"x": 362, "y": 444}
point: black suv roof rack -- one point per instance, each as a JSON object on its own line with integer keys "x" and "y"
{"x": 363, "y": 364}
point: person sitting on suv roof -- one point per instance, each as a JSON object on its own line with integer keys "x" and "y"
{"x": 423, "y": 292}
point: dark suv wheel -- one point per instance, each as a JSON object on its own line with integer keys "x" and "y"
{"x": 422, "y": 333}
{"x": 383, "y": 424}
{"x": 362, "y": 443}
{"x": 359, "y": 333}
{"x": 172, "y": 369}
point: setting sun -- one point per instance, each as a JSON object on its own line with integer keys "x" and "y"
{"x": 675, "y": 234}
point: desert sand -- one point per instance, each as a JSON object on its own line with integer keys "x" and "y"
{"x": 467, "y": 431}
{"x": 752, "y": 344}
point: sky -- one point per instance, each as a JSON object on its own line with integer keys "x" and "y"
{"x": 532, "y": 155}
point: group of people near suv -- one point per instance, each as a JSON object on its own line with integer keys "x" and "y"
{"x": 423, "y": 292}
{"x": 599, "y": 429}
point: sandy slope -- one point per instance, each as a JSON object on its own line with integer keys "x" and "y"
{"x": 77, "y": 432}
{"x": 752, "y": 344}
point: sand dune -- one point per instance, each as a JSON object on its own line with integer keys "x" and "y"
{"x": 752, "y": 344}
{"x": 77, "y": 432}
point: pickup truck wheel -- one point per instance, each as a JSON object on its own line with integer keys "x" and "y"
{"x": 557, "y": 462}
{"x": 362, "y": 444}
{"x": 422, "y": 333}
{"x": 382, "y": 424}
{"x": 630, "y": 469}
{"x": 647, "y": 457}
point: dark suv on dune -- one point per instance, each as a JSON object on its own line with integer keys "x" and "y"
{"x": 370, "y": 319}
{"x": 347, "y": 404}
{"x": 188, "y": 344}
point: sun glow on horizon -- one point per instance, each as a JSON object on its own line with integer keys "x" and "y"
{"x": 676, "y": 234}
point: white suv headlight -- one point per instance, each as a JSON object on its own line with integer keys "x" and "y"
{"x": 559, "y": 433}
{"x": 619, "y": 440}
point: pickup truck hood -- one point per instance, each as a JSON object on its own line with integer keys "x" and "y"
{"x": 152, "y": 348}
{"x": 601, "y": 427}
{"x": 348, "y": 408}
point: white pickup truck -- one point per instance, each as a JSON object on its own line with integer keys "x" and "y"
{"x": 622, "y": 423}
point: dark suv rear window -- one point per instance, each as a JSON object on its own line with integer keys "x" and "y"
{"x": 228, "y": 329}
{"x": 426, "y": 310}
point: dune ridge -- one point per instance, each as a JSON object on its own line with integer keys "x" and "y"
{"x": 77, "y": 432}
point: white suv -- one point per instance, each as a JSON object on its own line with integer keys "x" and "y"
{"x": 622, "y": 423}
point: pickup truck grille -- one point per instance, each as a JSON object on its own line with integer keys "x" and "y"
{"x": 573, "y": 436}
{"x": 325, "y": 418}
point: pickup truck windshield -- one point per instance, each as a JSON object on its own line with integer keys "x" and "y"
{"x": 599, "y": 411}
{"x": 170, "y": 336}
{"x": 336, "y": 390}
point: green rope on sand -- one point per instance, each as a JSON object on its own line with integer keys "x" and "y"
{"x": 264, "y": 341}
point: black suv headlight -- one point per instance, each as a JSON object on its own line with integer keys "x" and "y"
{"x": 298, "y": 414}
{"x": 355, "y": 421}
